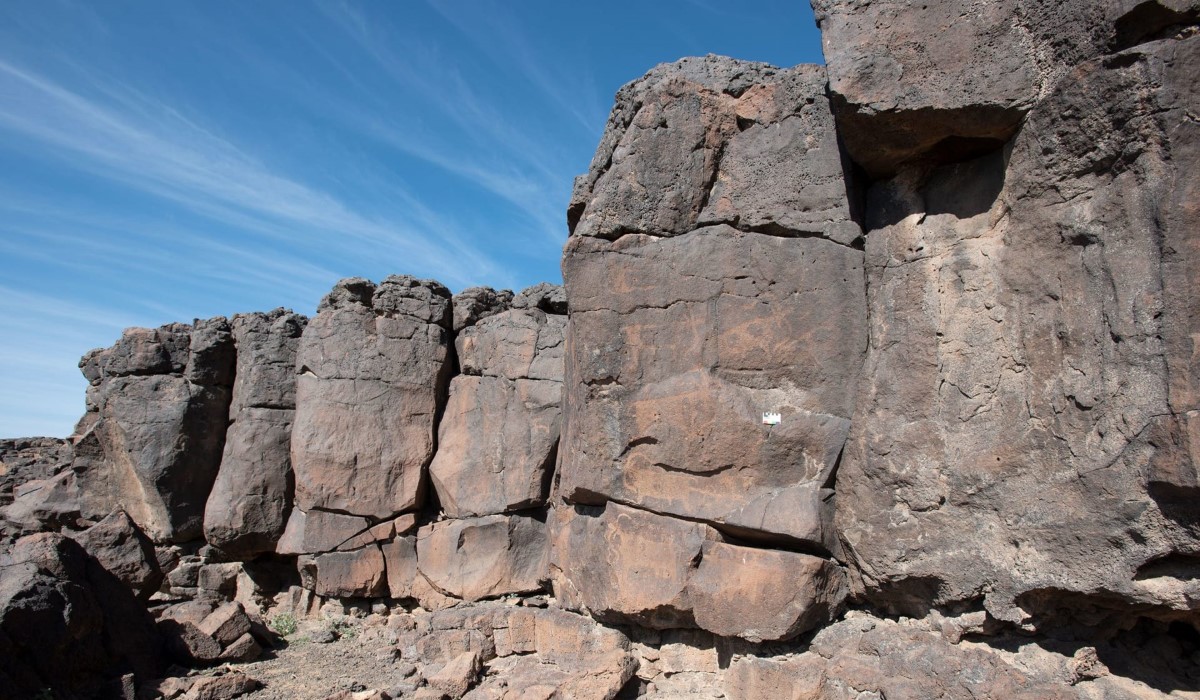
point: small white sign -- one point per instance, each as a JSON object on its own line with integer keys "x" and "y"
{"x": 772, "y": 418}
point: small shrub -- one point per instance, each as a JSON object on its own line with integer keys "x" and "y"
{"x": 284, "y": 624}
{"x": 343, "y": 629}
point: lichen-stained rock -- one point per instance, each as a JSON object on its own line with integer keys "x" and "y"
{"x": 902, "y": 97}
{"x": 1031, "y": 372}
{"x": 248, "y": 506}
{"x": 677, "y": 348}
{"x": 161, "y": 404}
{"x": 716, "y": 140}
{"x": 629, "y": 566}
{"x": 355, "y": 574}
{"x": 502, "y": 420}
{"x": 762, "y": 595}
{"x": 483, "y": 557}
{"x": 373, "y": 367}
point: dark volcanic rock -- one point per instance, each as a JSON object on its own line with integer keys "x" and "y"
{"x": 373, "y": 368}
{"x": 67, "y": 624}
{"x": 250, "y": 500}
{"x": 474, "y": 304}
{"x": 1030, "y": 383}
{"x": 483, "y": 557}
{"x": 124, "y": 550}
{"x": 902, "y": 96}
{"x": 715, "y": 140}
{"x": 29, "y": 459}
{"x": 161, "y": 399}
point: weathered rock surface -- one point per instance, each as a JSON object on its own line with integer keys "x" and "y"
{"x": 354, "y": 574}
{"x": 121, "y": 547}
{"x": 248, "y": 506}
{"x": 474, "y": 304}
{"x": 373, "y": 368}
{"x": 715, "y": 140}
{"x": 483, "y": 557}
{"x": 680, "y": 345}
{"x": 901, "y": 97}
{"x": 160, "y": 399}
{"x": 626, "y": 565}
{"x": 67, "y": 624}
{"x": 501, "y": 424}
{"x": 1030, "y": 380}
{"x": 29, "y": 459}
{"x": 726, "y": 288}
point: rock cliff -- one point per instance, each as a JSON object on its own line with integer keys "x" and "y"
{"x": 876, "y": 379}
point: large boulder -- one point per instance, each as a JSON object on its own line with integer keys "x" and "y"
{"x": 373, "y": 369}
{"x": 125, "y": 551}
{"x": 501, "y": 424}
{"x": 68, "y": 625}
{"x": 744, "y": 300}
{"x": 248, "y": 506}
{"x": 158, "y": 409}
{"x": 484, "y": 557}
{"x": 625, "y": 565}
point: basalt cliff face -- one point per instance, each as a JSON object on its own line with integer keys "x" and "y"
{"x": 879, "y": 379}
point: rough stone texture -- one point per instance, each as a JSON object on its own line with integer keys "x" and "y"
{"x": 902, "y": 96}
{"x": 373, "y": 368}
{"x": 1023, "y": 425}
{"x": 677, "y": 348}
{"x": 226, "y": 624}
{"x": 67, "y": 624}
{"x": 551, "y": 298}
{"x": 318, "y": 531}
{"x": 356, "y": 574}
{"x": 161, "y": 404}
{"x": 400, "y": 560}
{"x": 27, "y": 459}
{"x": 483, "y": 557}
{"x": 124, "y": 550}
{"x": 502, "y": 421}
{"x": 761, "y": 595}
{"x": 43, "y": 505}
{"x": 626, "y": 565}
{"x": 712, "y": 139}
{"x": 474, "y": 304}
{"x": 248, "y": 506}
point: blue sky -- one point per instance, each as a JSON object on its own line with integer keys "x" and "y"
{"x": 163, "y": 161}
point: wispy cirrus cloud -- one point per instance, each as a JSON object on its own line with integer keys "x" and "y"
{"x": 145, "y": 144}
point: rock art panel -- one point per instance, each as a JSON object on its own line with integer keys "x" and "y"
{"x": 677, "y": 348}
{"x": 373, "y": 368}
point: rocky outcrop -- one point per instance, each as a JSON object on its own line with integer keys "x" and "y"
{"x": 373, "y": 367}
{"x": 249, "y": 503}
{"x": 158, "y": 407}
